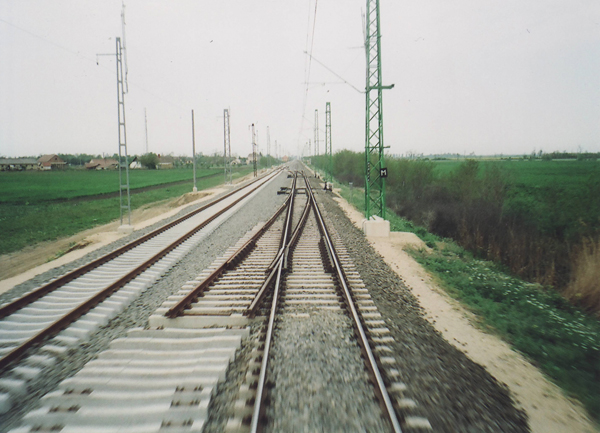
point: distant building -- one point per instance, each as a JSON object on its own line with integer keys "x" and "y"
{"x": 285, "y": 159}
{"x": 236, "y": 162}
{"x": 165, "y": 161}
{"x": 50, "y": 162}
{"x": 18, "y": 164}
{"x": 102, "y": 164}
{"x": 135, "y": 163}
{"x": 250, "y": 159}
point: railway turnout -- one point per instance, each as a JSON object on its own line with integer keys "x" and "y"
{"x": 287, "y": 285}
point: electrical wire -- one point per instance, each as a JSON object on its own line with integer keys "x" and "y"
{"x": 310, "y": 35}
{"x": 79, "y": 55}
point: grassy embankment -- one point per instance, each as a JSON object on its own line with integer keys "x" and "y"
{"x": 562, "y": 339}
{"x": 43, "y": 206}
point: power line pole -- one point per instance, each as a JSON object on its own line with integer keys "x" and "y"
{"x": 375, "y": 170}
{"x": 194, "y": 189}
{"x": 309, "y": 148}
{"x": 146, "y": 128}
{"x": 268, "y": 147}
{"x": 254, "y": 151}
{"x": 124, "y": 198}
{"x": 328, "y": 151}
{"x": 276, "y": 150}
{"x": 227, "y": 145}
{"x": 316, "y": 132}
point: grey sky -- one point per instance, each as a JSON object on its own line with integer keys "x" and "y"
{"x": 486, "y": 76}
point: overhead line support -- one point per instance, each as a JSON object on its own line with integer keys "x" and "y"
{"x": 375, "y": 169}
{"x": 227, "y": 146}
{"x": 328, "y": 150}
{"x": 124, "y": 197}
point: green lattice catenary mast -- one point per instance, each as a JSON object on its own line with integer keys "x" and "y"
{"x": 375, "y": 170}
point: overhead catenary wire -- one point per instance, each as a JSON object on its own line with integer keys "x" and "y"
{"x": 334, "y": 73}
{"x": 109, "y": 71}
{"x": 310, "y": 35}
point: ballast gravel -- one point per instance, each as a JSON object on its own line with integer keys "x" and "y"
{"x": 454, "y": 393}
{"x": 264, "y": 204}
{"x": 320, "y": 382}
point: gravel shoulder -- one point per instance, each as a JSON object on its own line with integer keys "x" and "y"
{"x": 546, "y": 406}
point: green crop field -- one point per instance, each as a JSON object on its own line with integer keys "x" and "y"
{"x": 32, "y": 186}
{"x": 536, "y": 173}
{"x": 36, "y": 206}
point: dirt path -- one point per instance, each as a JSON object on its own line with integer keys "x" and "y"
{"x": 548, "y": 409}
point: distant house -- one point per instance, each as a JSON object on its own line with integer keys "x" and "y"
{"x": 236, "y": 162}
{"x": 250, "y": 159}
{"x": 50, "y": 162}
{"x": 135, "y": 163}
{"x": 285, "y": 159}
{"x": 17, "y": 164}
{"x": 102, "y": 164}
{"x": 165, "y": 161}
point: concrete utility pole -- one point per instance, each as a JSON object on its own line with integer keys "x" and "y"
{"x": 194, "y": 189}
{"x": 317, "y": 132}
{"x": 268, "y": 147}
{"x": 125, "y": 200}
{"x": 227, "y": 145}
{"x": 328, "y": 151}
{"x": 146, "y": 127}
{"x": 254, "y": 151}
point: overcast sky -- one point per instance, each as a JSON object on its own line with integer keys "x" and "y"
{"x": 483, "y": 76}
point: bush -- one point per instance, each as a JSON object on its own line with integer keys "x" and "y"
{"x": 149, "y": 160}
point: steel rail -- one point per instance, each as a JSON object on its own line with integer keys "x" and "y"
{"x": 232, "y": 261}
{"x": 260, "y": 386}
{"x": 253, "y": 308}
{"x": 84, "y": 307}
{"x": 282, "y": 254}
{"x": 287, "y": 226}
{"x": 23, "y": 301}
{"x": 380, "y": 388}
{"x": 258, "y": 409}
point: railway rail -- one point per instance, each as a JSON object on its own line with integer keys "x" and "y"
{"x": 288, "y": 264}
{"x": 78, "y": 302}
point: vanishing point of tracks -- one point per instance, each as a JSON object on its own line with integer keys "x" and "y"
{"x": 162, "y": 378}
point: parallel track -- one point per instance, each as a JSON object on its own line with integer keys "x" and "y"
{"x": 50, "y": 308}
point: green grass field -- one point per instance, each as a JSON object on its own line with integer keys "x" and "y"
{"x": 32, "y": 216}
{"x": 536, "y": 173}
{"x": 34, "y": 186}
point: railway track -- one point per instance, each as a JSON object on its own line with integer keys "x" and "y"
{"x": 163, "y": 377}
{"x": 80, "y": 301}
